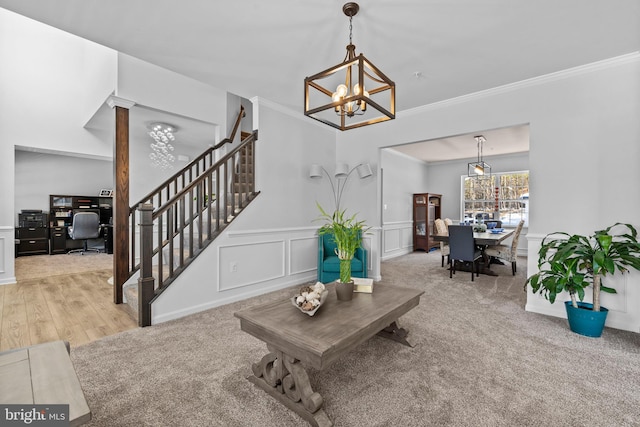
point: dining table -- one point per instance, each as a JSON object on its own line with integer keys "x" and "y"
{"x": 483, "y": 239}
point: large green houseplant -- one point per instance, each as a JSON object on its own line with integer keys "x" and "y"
{"x": 347, "y": 233}
{"x": 571, "y": 263}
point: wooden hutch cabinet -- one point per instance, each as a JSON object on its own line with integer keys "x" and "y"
{"x": 426, "y": 208}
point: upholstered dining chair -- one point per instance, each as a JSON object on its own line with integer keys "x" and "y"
{"x": 441, "y": 228}
{"x": 462, "y": 248}
{"x": 508, "y": 253}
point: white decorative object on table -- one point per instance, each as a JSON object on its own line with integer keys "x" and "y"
{"x": 310, "y": 298}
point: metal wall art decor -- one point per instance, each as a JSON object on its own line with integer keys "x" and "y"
{"x": 351, "y": 94}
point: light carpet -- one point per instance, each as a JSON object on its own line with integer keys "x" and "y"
{"x": 480, "y": 360}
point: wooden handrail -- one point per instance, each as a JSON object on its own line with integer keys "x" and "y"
{"x": 175, "y": 176}
{"x": 233, "y": 132}
{"x": 204, "y": 174}
{"x": 189, "y": 220}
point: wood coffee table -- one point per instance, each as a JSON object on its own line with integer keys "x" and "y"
{"x": 293, "y": 338}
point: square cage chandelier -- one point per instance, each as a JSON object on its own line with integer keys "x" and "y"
{"x": 479, "y": 169}
{"x": 351, "y": 94}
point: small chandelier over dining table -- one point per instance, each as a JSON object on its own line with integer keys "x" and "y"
{"x": 479, "y": 168}
{"x": 363, "y": 95}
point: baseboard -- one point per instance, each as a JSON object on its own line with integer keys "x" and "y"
{"x": 224, "y": 301}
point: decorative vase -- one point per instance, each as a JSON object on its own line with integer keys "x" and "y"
{"x": 344, "y": 291}
{"x": 584, "y": 321}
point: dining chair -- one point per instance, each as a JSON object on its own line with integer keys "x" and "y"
{"x": 441, "y": 228}
{"x": 462, "y": 248}
{"x": 508, "y": 253}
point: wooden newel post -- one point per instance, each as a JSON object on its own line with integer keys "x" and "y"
{"x": 146, "y": 282}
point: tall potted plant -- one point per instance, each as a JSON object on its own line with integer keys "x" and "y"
{"x": 347, "y": 233}
{"x": 573, "y": 262}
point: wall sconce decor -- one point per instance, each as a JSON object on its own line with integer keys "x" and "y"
{"x": 351, "y": 94}
{"x": 342, "y": 175}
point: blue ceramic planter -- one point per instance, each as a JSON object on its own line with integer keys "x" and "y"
{"x": 584, "y": 321}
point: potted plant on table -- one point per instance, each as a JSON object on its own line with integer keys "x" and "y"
{"x": 573, "y": 262}
{"x": 347, "y": 233}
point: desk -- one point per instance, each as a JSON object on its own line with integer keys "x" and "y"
{"x": 43, "y": 375}
{"x": 293, "y": 337}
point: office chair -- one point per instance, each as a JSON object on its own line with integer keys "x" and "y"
{"x": 85, "y": 226}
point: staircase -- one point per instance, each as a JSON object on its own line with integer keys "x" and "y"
{"x": 179, "y": 219}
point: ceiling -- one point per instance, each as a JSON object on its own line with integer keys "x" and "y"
{"x": 514, "y": 139}
{"x": 433, "y": 49}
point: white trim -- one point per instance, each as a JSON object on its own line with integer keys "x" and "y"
{"x": 224, "y": 301}
{"x": 282, "y": 273}
{"x": 391, "y": 150}
{"x": 534, "y": 81}
{"x": 289, "y": 246}
{"x": 270, "y": 231}
{"x": 398, "y": 223}
{"x": 63, "y": 153}
{"x": 290, "y": 112}
{"x": 116, "y": 101}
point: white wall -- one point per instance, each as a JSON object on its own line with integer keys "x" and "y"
{"x": 52, "y": 83}
{"x": 47, "y": 80}
{"x": 37, "y": 175}
{"x": 402, "y": 176}
{"x": 149, "y": 85}
{"x": 583, "y": 151}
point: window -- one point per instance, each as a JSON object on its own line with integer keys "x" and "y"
{"x": 503, "y": 196}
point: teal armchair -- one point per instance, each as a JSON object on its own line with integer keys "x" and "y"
{"x": 329, "y": 264}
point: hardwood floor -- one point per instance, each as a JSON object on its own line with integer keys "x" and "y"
{"x": 76, "y": 307}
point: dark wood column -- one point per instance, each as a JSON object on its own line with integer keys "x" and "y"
{"x": 121, "y": 197}
{"x": 121, "y": 204}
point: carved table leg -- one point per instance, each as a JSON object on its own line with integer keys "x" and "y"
{"x": 284, "y": 378}
{"x": 396, "y": 333}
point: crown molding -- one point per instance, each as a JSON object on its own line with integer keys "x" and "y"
{"x": 534, "y": 81}
{"x": 392, "y": 151}
{"x": 290, "y": 112}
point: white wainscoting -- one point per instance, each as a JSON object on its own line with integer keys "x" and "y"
{"x": 303, "y": 255}
{"x": 623, "y": 313}
{"x": 7, "y": 255}
{"x": 397, "y": 239}
{"x": 264, "y": 260}
{"x": 238, "y": 264}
